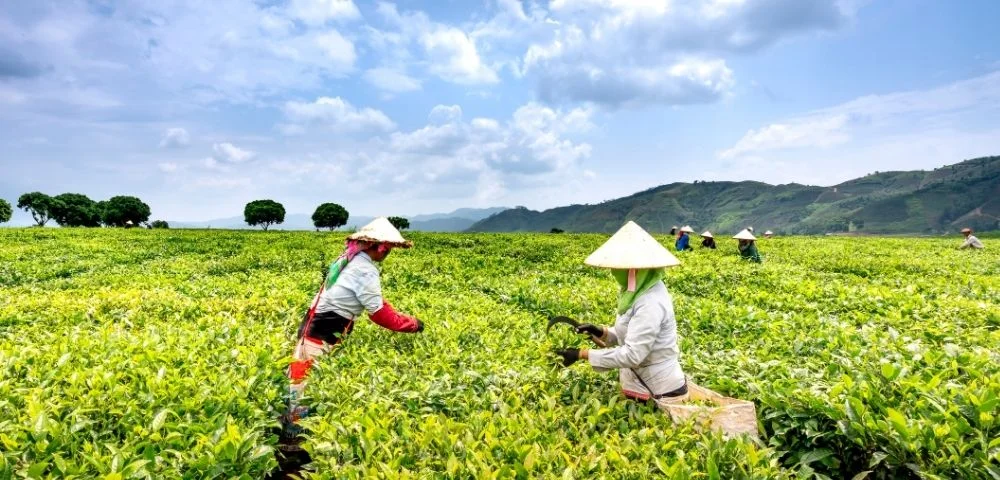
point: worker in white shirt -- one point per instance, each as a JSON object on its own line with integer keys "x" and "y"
{"x": 970, "y": 240}
{"x": 642, "y": 344}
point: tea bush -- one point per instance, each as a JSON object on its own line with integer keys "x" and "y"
{"x": 160, "y": 354}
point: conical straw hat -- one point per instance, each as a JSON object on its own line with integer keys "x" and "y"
{"x": 687, "y": 228}
{"x": 381, "y": 231}
{"x": 707, "y": 234}
{"x": 768, "y": 233}
{"x": 631, "y": 247}
{"x": 745, "y": 235}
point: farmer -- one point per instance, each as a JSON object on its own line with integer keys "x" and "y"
{"x": 768, "y": 234}
{"x": 707, "y": 240}
{"x": 352, "y": 285}
{"x": 748, "y": 246}
{"x": 673, "y": 230}
{"x": 684, "y": 239}
{"x": 642, "y": 344}
{"x": 970, "y": 240}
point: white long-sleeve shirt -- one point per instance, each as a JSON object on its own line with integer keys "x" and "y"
{"x": 358, "y": 288}
{"x": 972, "y": 242}
{"x": 644, "y": 340}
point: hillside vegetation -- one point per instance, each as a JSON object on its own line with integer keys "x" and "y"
{"x": 941, "y": 200}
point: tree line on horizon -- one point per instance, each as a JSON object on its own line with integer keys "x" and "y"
{"x": 78, "y": 210}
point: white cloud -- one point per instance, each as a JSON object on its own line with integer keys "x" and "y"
{"x": 168, "y": 167}
{"x": 230, "y": 153}
{"x": 337, "y": 114}
{"x": 873, "y": 115}
{"x": 338, "y": 49}
{"x": 445, "y": 114}
{"x": 535, "y": 141}
{"x": 816, "y": 133}
{"x": 640, "y": 52}
{"x": 318, "y": 12}
{"x": 391, "y": 80}
{"x": 454, "y": 58}
{"x": 175, "y": 138}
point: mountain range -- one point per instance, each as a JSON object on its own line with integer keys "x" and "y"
{"x": 941, "y": 200}
{"x": 455, "y": 221}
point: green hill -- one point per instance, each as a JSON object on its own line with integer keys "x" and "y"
{"x": 941, "y": 200}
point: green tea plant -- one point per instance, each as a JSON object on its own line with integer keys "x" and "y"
{"x": 161, "y": 354}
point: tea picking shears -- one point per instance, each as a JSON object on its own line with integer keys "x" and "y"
{"x": 574, "y": 324}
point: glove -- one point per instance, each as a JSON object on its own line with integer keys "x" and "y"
{"x": 387, "y": 317}
{"x": 591, "y": 329}
{"x": 569, "y": 356}
{"x": 420, "y": 326}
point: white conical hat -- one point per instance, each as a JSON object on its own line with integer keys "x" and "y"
{"x": 381, "y": 231}
{"x": 687, "y": 228}
{"x": 707, "y": 234}
{"x": 745, "y": 235}
{"x": 768, "y": 233}
{"x": 631, "y": 247}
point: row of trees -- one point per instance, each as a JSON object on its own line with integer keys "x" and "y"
{"x": 78, "y": 210}
{"x": 264, "y": 213}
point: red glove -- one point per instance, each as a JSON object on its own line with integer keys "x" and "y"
{"x": 397, "y": 322}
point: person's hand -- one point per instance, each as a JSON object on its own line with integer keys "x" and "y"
{"x": 591, "y": 329}
{"x": 420, "y": 326}
{"x": 569, "y": 356}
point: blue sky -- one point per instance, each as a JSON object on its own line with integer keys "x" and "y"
{"x": 421, "y": 106}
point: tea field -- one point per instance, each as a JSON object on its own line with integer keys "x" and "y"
{"x": 160, "y": 354}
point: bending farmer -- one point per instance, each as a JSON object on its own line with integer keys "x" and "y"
{"x": 748, "y": 246}
{"x": 970, "y": 240}
{"x": 707, "y": 240}
{"x": 684, "y": 239}
{"x": 351, "y": 285}
{"x": 643, "y": 341}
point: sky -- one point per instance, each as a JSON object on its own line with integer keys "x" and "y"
{"x": 407, "y": 107}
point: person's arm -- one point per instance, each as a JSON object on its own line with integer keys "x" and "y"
{"x": 380, "y": 311}
{"x": 967, "y": 243}
{"x": 635, "y": 347}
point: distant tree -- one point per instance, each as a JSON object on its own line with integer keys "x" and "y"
{"x": 124, "y": 211}
{"x": 263, "y": 213}
{"x": 75, "y": 210}
{"x": 159, "y": 224}
{"x": 556, "y": 230}
{"x": 330, "y": 215}
{"x": 5, "y": 211}
{"x": 399, "y": 222}
{"x": 39, "y": 205}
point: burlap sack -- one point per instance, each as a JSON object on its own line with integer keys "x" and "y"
{"x": 731, "y": 416}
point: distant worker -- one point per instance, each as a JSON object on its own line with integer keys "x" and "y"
{"x": 748, "y": 246}
{"x": 673, "y": 230}
{"x": 970, "y": 240}
{"x": 768, "y": 234}
{"x": 684, "y": 239}
{"x": 707, "y": 240}
{"x": 352, "y": 285}
{"x": 642, "y": 344}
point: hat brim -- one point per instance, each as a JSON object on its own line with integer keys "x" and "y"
{"x": 365, "y": 238}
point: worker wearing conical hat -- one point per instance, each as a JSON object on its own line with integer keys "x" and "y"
{"x": 970, "y": 240}
{"x": 642, "y": 344}
{"x": 684, "y": 239}
{"x": 707, "y": 240}
{"x": 352, "y": 285}
{"x": 768, "y": 234}
{"x": 748, "y": 246}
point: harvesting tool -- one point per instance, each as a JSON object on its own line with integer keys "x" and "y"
{"x": 574, "y": 324}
